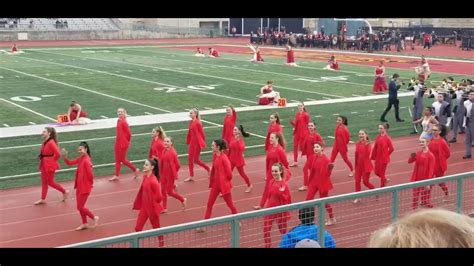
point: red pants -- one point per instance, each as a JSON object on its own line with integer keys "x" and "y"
{"x": 358, "y": 176}
{"x": 212, "y": 199}
{"x": 282, "y": 222}
{"x": 167, "y": 188}
{"x": 265, "y": 192}
{"x": 379, "y": 171}
{"x": 120, "y": 154}
{"x": 155, "y": 223}
{"x": 443, "y": 186}
{"x": 310, "y": 196}
{"x": 425, "y": 197}
{"x": 194, "y": 151}
{"x": 47, "y": 179}
{"x": 81, "y": 199}
{"x": 334, "y": 153}
{"x": 307, "y": 169}
{"x": 241, "y": 173}
{"x": 297, "y": 142}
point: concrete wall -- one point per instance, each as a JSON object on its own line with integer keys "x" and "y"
{"x": 92, "y": 35}
{"x": 173, "y": 22}
{"x": 436, "y": 22}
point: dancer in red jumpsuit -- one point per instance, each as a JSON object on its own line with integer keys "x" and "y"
{"x": 236, "y": 154}
{"x": 440, "y": 149}
{"x": 229, "y": 124}
{"x": 363, "y": 165}
{"x": 383, "y": 148}
{"x": 320, "y": 179}
{"x": 122, "y": 143}
{"x": 380, "y": 84}
{"x": 169, "y": 167}
{"x": 300, "y": 130}
{"x": 83, "y": 183}
{"x": 424, "y": 169}
{"x": 341, "y": 139}
{"x": 148, "y": 199}
{"x": 196, "y": 141}
{"x": 310, "y": 139}
{"x": 274, "y": 126}
{"x": 49, "y": 156}
{"x": 157, "y": 146}
{"x": 278, "y": 195}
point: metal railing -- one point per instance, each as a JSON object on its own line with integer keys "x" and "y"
{"x": 355, "y": 226}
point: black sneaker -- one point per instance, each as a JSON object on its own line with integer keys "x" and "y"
{"x": 413, "y": 132}
{"x": 452, "y": 141}
{"x": 383, "y": 120}
{"x": 400, "y": 120}
{"x": 467, "y": 157}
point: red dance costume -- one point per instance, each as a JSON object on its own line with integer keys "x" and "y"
{"x": 380, "y": 85}
{"x": 73, "y": 114}
{"x": 300, "y": 130}
{"x": 83, "y": 184}
{"x": 276, "y": 198}
{"x": 274, "y": 155}
{"x": 266, "y": 101}
{"x": 229, "y": 124}
{"x": 424, "y": 169}
{"x": 290, "y": 56}
{"x": 363, "y": 165}
{"x": 196, "y": 141}
{"x": 14, "y": 49}
{"x": 333, "y": 64}
{"x": 308, "y": 150}
{"x": 122, "y": 143}
{"x": 214, "y": 53}
{"x": 441, "y": 152}
{"x": 169, "y": 167}
{"x": 383, "y": 148}
{"x": 236, "y": 158}
{"x": 49, "y": 156}
{"x": 156, "y": 148}
{"x": 148, "y": 202}
{"x": 271, "y": 129}
{"x": 259, "y": 57}
{"x": 319, "y": 180}
{"x": 341, "y": 139}
{"x": 220, "y": 182}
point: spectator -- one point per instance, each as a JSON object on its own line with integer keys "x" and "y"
{"x": 234, "y": 30}
{"x": 427, "y": 229}
{"x": 306, "y": 230}
{"x": 307, "y": 243}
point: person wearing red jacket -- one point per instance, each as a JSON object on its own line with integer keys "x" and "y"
{"x": 196, "y": 141}
{"x": 229, "y": 124}
{"x": 278, "y": 195}
{"x": 275, "y": 154}
{"x": 157, "y": 147}
{"x": 274, "y": 126}
{"x": 149, "y": 197}
{"x": 122, "y": 143}
{"x": 383, "y": 148}
{"x": 341, "y": 139}
{"x": 220, "y": 179}
{"x": 440, "y": 149}
{"x": 310, "y": 139}
{"x": 83, "y": 182}
{"x": 424, "y": 169}
{"x": 49, "y": 156}
{"x": 236, "y": 154}
{"x": 169, "y": 167}
{"x": 363, "y": 165}
{"x": 300, "y": 130}
{"x": 319, "y": 179}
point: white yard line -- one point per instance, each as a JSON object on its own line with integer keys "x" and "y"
{"x": 84, "y": 89}
{"x": 134, "y": 78}
{"x": 29, "y": 110}
{"x": 197, "y": 74}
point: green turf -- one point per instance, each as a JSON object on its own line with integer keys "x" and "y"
{"x": 128, "y": 78}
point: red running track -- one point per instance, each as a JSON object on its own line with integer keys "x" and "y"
{"x": 24, "y": 225}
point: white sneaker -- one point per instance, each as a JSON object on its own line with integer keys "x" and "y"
{"x": 330, "y": 222}
{"x": 303, "y": 188}
{"x": 38, "y": 202}
{"x": 113, "y": 178}
{"x": 82, "y": 227}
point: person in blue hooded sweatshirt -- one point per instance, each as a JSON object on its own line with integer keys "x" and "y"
{"x": 306, "y": 230}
